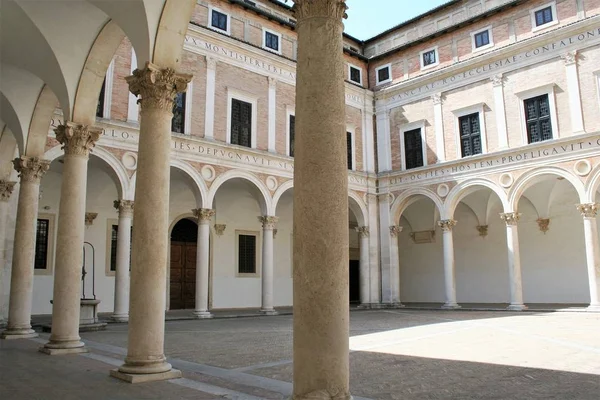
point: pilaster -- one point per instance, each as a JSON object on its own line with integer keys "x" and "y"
{"x": 574, "y": 92}
{"x": 209, "y": 119}
{"x": 500, "y": 111}
{"x": 438, "y": 116}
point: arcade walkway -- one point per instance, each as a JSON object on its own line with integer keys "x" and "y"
{"x": 396, "y": 354}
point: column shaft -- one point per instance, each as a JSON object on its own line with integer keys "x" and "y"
{"x": 395, "y": 266}
{"x": 272, "y": 127}
{"x": 202, "y": 262}
{"x": 592, "y": 252}
{"x": 6, "y": 189}
{"x": 384, "y": 146}
{"x": 514, "y": 261}
{"x": 449, "y": 265}
{"x": 268, "y": 224}
{"x": 363, "y": 236}
{"x": 121, "y": 310}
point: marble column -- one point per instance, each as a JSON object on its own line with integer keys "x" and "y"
{"x": 145, "y": 361}
{"x": 121, "y": 310}
{"x": 449, "y": 267}
{"x": 321, "y": 306}
{"x": 268, "y": 224}
{"x": 592, "y": 251}
{"x": 363, "y": 237}
{"x": 77, "y": 141}
{"x": 514, "y": 261}
{"x": 6, "y": 189}
{"x": 31, "y": 170}
{"x": 395, "y": 266}
{"x": 204, "y": 216}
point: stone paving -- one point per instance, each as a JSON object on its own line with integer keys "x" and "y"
{"x": 395, "y": 354}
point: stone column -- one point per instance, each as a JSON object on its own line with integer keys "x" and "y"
{"x": 145, "y": 359}
{"x": 592, "y": 251}
{"x": 574, "y": 93}
{"x": 125, "y": 210}
{"x": 449, "y": 267}
{"x": 514, "y": 261}
{"x": 439, "y": 127}
{"x": 321, "y": 306}
{"x": 395, "y": 266}
{"x": 209, "y": 122}
{"x": 77, "y": 141}
{"x": 204, "y": 216}
{"x": 500, "y": 112}
{"x": 363, "y": 236}
{"x": 31, "y": 170}
{"x": 6, "y": 189}
{"x": 268, "y": 224}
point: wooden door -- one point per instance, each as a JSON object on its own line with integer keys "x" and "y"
{"x": 183, "y": 276}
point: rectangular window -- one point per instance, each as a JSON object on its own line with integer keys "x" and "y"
{"x": 241, "y": 123}
{"x": 538, "y": 119}
{"x": 383, "y": 74}
{"x": 355, "y": 75}
{"x": 349, "y": 149}
{"x": 246, "y": 254}
{"x": 41, "y": 244}
{"x": 543, "y": 16}
{"x": 219, "y": 20}
{"x": 428, "y": 58}
{"x": 413, "y": 148}
{"x": 100, "y": 106}
{"x": 470, "y": 134}
{"x": 482, "y": 39}
{"x": 272, "y": 41}
{"x": 178, "y": 121}
{"x": 292, "y": 134}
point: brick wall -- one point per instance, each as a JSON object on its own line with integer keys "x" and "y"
{"x": 120, "y": 92}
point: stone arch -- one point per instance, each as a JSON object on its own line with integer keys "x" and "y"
{"x": 198, "y": 186}
{"x": 174, "y": 20}
{"x": 592, "y": 185}
{"x": 280, "y": 192}
{"x": 264, "y": 200}
{"x": 409, "y": 196}
{"x": 40, "y": 122}
{"x": 534, "y": 176}
{"x": 465, "y": 188}
{"x": 356, "y": 204}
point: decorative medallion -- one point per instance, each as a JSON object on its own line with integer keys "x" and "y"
{"x": 208, "y": 173}
{"x": 582, "y": 167}
{"x": 129, "y": 160}
{"x": 443, "y": 190}
{"x": 506, "y": 180}
{"x": 272, "y": 183}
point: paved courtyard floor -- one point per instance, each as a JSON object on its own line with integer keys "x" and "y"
{"x": 395, "y": 354}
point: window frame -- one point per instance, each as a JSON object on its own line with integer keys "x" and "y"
{"x": 389, "y": 79}
{"x": 110, "y": 222}
{"x": 352, "y": 130}
{"x": 50, "y": 252}
{"x": 486, "y": 46}
{"x": 258, "y": 253}
{"x": 350, "y": 66}
{"x": 248, "y": 98}
{"x": 461, "y": 112}
{"x": 548, "y": 89}
{"x": 534, "y": 26}
{"x": 289, "y": 112}
{"x": 437, "y": 58}
{"x": 409, "y": 127}
{"x": 264, "y": 40}
{"x": 210, "y": 25}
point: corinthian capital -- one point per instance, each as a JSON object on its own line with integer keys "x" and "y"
{"x": 588, "y": 210}
{"x": 31, "y": 169}
{"x": 6, "y": 189}
{"x": 447, "y": 224}
{"x": 124, "y": 207}
{"x": 203, "y": 214}
{"x": 157, "y": 87}
{"x": 510, "y": 218}
{"x": 320, "y": 8}
{"x": 363, "y": 231}
{"x": 268, "y": 222}
{"x": 395, "y": 230}
{"x": 77, "y": 140}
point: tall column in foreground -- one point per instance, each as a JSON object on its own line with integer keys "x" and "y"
{"x": 449, "y": 265}
{"x": 514, "y": 261}
{"x": 77, "y": 141}
{"x": 321, "y": 306}
{"x": 6, "y": 189}
{"x": 268, "y": 224}
{"x": 204, "y": 216}
{"x": 592, "y": 251}
{"x": 125, "y": 210}
{"x": 145, "y": 361}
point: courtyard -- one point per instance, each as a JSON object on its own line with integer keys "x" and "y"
{"x": 395, "y": 354}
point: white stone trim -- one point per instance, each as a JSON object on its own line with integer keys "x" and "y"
{"x": 437, "y": 58}
{"x": 350, "y": 66}
{"x": 597, "y": 73}
{"x": 109, "y": 224}
{"x": 289, "y": 111}
{"x": 554, "y": 21}
{"x": 487, "y": 46}
{"x": 209, "y": 119}
{"x": 133, "y": 109}
{"x": 187, "y": 116}
{"x": 209, "y": 22}
{"x": 409, "y": 127}
{"x": 461, "y": 112}
{"x": 377, "y": 81}
{"x": 51, "y": 239}
{"x": 352, "y": 130}
{"x": 264, "y": 40}
{"x": 248, "y": 98}
{"x": 539, "y": 91}
{"x": 108, "y": 88}
{"x": 384, "y": 146}
{"x": 257, "y": 252}
{"x": 272, "y": 115}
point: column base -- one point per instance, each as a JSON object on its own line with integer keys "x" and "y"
{"x": 141, "y": 378}
{"x": 322, "y": 395}
{"x": 62, "y": 347}
{"x": 11, "y": 334}
{"x": 517, "y": 307}
{"x": 119, "y": 317}
{"x": 269, "y": 312}
{"x": 202, "y": 314}
{"x": 593, "y": 308}
{"x": 451, "y": 306}
{"x": 62, "y": 352}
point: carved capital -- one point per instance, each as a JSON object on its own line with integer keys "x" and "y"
{"x": 363, "y": 231}
{"x": 544, "y": 224}
{"x": 272, "y": 82}
{"x": 211, "y": 63}
{"x": 510, "y": 219}
{"x": 268, "y": 222}
{"x": 497, "y": 80}
{"x": 304, "y": 9}
{"x": 447, "y": 224}
{"x": 395, "y": 230}
{"x": 124, "y": 207}
{"x": 588, "y": 210}
{"x": 204, "y": 214}
{"x": 371, "y": 198}
{"x": 483, "y": 230}
{"x": 157, "y": 86}
{"x": 31, "y": 169}
{"x": 6, "y": 189}
{"x": 437, "y": 98}
{"x": 89, "y": 218}
{"x": 77, "y": 140}
{"x": 220, "y": 229}
{"x": 570, "y": 58}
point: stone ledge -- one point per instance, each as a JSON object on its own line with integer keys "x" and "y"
{"x": 9, "y": 336}
{"x": 62, "y": 352}
{"x": 142, "y": 378}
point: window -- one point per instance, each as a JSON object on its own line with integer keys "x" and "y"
{"x": 482, "y": 39}
{"x": 429, "y": 58}
{"x": 219, "y": 21}
{"x": 100, "y": 106}
{"x": 178, "y": 121}
{"x": 349, "y": 151}
{"x": 543, "y": 16}
{"x": 271, "y": 41}
{"x": 413, "y": 148}
{"x": 383, "y": 74}
{"x": 241, "y": 123}
{"x": 114, "y": 237}
{"x": 538, "y": 119}
{"x": 41, "y": 243}
{"x": 355, "y": 74}
{"x": 292, "y": 135}
{"x": 246, "y": 254}
{"x": 470, "y": 135}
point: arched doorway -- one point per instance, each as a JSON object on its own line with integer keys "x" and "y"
{"x": 184, "y": 239}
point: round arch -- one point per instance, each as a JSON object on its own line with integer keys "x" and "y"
{"x": 198, "y": 186}
{"x": 280, "y": 192}
{"x": 534, "y": 176}
{"x": 465, "y": 188}
{"x": 358, "y": 207}
{"x": 264, "y": 200}
{"x": 409, "y": 196}
{"x": 592, "y": 185}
